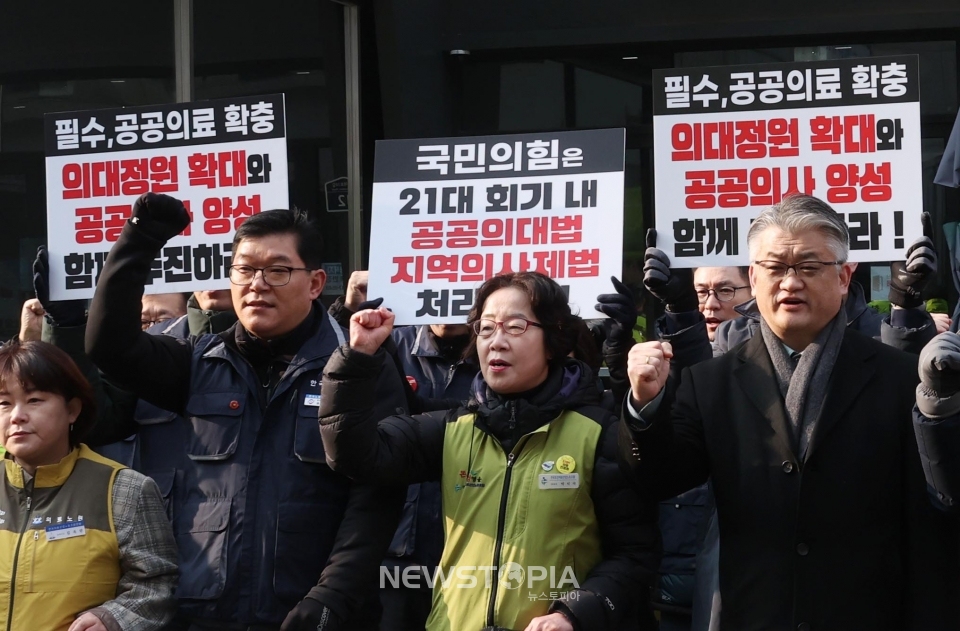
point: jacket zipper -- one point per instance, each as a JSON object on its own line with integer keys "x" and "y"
{"x": 16, "y": 560}
{"x": 33, "y": 558}
{"x": 501, "y": 522}
{"x": 453, "y": 369}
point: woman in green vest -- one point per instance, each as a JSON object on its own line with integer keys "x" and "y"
{"x": 542, "y": 530}
{"x": 86, "y": 544}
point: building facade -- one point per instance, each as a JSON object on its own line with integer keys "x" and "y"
{"x": 357, "y": 72}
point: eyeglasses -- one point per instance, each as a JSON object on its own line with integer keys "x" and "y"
{"x": 273, "y": 275}
{"x": 804, "y": 269}
{"x": 513, "y": 326}
{"x": 723, "y": 294}
{"x": 146, "y": 324}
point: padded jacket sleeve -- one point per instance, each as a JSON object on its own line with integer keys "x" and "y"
{"x": 154, "y": 367}
{"x": 404, "y": 449}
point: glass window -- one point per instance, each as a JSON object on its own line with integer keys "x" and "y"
{"x": 89, "y": 57}
{"x": 532, "y": 96}
{"x": 243, "y": 47}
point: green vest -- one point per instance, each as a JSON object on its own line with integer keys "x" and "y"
{"x": 520, "y": 529}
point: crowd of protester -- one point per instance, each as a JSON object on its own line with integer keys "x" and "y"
{"x": 779, "y": 455}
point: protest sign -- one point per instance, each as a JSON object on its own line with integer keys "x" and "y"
{"x": 730, "y": 141}
{"x": 225, "y": 159}
{"x": 449, "y": 213}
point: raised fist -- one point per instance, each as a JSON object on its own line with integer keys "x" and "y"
{"x": 621, "y": 308}
{"x": 940, "y": 364}
{"x": 370, "y": 328}
{"x": 160, "y": 216}
{"x": 61, "y": 312}
{"x": 648, "y": 367}
{"x": 908, "y": 282}
{"x": 674, "y": 288}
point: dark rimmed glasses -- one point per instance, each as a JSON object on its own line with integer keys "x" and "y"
{"x": 804, "y": 269}
{"x": 273, "y": 275}
{"x": 723, "y": 294}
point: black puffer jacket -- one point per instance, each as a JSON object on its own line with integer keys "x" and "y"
{"x": 408, "y": 449}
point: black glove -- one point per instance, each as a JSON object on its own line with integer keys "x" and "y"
{"x": 160, "y": 216}
{"x": 622, "y": 310}
{"x": 61, "y": 312}
{"x": 940, "y": 364}
{"x": 310, "y": 615}
{"x": 910, "y": 278}
{"x": 369, "y": 304}
{"x": 674, "y": 288}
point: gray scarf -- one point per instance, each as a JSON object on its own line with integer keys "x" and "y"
{"x": 803, "y": 384}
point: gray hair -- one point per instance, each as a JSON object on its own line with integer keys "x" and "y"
{"x": 802, "y": 213}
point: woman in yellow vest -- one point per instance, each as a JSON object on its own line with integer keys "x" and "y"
{"x": 85, "y": 544}
{"x": 542, "y": 530}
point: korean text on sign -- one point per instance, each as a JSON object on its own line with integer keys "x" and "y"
{"x": 730, "y": 141}
{"x": 226, "y": 160}
{"x": 449, "y": 214}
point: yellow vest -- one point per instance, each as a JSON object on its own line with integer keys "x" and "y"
{"x": 520, "y": 529}
{"x": 59, "y": 554}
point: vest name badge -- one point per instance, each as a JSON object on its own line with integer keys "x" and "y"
{"x": 65, "y": 530}
{"x": 559, "y": 481}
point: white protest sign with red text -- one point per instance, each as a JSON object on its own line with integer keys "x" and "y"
{"x": 730, "y": 141}
{"x": 225, "y": 159}
{"x": 449, "y": 213}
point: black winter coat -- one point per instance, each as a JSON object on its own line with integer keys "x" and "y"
{"x": 843, "y": 540}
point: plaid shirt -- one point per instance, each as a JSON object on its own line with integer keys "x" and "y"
{"x": 148, "y": 558}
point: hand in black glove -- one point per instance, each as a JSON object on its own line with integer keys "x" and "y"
{"x": 622, "y": 310}
{"x": 909, "y": 280}
{"x": 940, "y": 364}
{"x": 160, "y": 216}
{"x": 674, "y": 288}
{"x": 61, "y": 312}
{"x": 939, "y": 376}
{"x": 370, "y": 304}
{"x": 311, "y": 615}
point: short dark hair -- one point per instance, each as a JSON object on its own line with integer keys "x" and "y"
{"x": 286, "y": 221}
{"x": 744, "y": 270}
{"x": 549, "y": 303}
{"x": 44, "y": 367}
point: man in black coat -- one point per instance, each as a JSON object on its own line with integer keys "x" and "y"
{"x": 806, "y": 433}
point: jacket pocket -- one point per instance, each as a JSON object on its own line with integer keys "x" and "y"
{"x": 202, "y": 530}
{"x": 682, "y": 523}
{"x": 308, "y": 445}
{"x": 56, "y": 566}
{"x": 216, "y": 418}
{"x": 305, "y": 534}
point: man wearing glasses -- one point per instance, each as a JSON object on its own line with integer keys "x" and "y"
{"x": 257, "y": 511}
{"x": 719, "y": 290}
{"x": 805, "y": 432}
